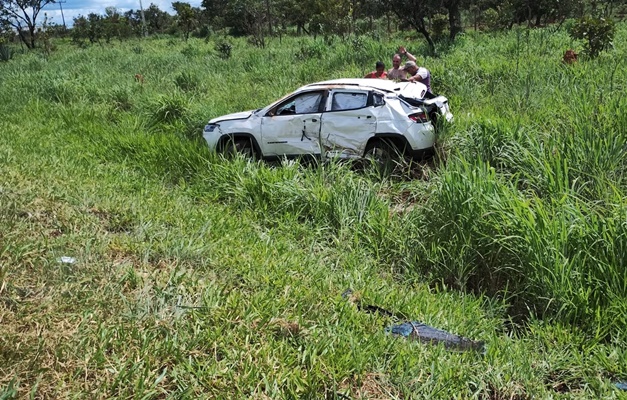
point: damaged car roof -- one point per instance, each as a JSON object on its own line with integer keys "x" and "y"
{"x": 380, "y": 84}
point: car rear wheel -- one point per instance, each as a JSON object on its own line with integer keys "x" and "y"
{"x": 383, "y": 155}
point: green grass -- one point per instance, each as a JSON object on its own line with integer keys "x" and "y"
{"x": 201, "y": 277}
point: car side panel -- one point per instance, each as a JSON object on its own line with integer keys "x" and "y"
{"x": 290, "y": 134}
{"x": 347, "y": 123}
{"x": 394, "y": 118}
{"x": 346, "y": 133}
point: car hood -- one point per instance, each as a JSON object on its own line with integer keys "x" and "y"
{"x": 230, "y": 117}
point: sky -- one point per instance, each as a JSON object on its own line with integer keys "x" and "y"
{"x": 74, "y": 8}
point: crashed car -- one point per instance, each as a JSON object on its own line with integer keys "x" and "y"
{"x": 343, "y": 118}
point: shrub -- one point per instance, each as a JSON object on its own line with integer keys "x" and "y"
{"x": 191, "y": 51}
{"x": 168, "y": 109}
{"x": 5, "y": 53}
{"x": 224, "y": 50}
{"x": 121, "y": 98}
{"x": 313, "y": 50}
{"x": 597, "y": 34}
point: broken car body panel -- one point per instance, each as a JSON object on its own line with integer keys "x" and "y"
{"x": 348, "y": 123}
{"x": 336, "y": 118}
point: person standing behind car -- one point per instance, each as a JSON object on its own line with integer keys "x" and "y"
{"x": 379, "y": 71}
{"x": 418, "y": 74}
{"x": 396, "y": 73}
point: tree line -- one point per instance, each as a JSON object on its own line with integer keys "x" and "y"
{"x": 259, "y": 19}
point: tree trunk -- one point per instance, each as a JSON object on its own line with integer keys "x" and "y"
{"x": 269, "y": 15}
{"x": 31, "y": 30}
{"x": 24, "y": 39}
{"x": 454, "y": 19}
{"x": 422, "y": 29}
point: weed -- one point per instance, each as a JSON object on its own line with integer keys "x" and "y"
{"x": 167, "y": 109}
{"x": 311, "y": 50}
{"x": 187, "y": 81}
{"x": 122, "y": 99}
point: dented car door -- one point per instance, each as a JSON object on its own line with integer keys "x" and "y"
{"x": 348, "y": 123}
{"x": 293, "y": 126}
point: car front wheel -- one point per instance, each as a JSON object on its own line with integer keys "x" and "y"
{"x": 239, "y": 146}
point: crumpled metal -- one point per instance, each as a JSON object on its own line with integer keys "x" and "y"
{"x": 416, "y": 330}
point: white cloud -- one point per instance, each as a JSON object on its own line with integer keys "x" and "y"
{"x": 74, "y": 8}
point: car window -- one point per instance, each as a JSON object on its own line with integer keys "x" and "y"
{"x": 348, "y": 101}
{"x": 377, "y": 100}
{"x": 305, "y": 103}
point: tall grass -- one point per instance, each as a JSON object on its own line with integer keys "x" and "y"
{"x": 198, "y": 276}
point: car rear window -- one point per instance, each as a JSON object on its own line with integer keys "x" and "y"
{"x": 348, "y": 101}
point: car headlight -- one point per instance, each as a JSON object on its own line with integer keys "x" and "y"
{"x": 210, "y": 128}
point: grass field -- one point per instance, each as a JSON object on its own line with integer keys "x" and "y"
{"x": 197, "y": 277}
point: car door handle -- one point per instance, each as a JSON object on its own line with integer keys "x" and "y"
{"x": 314, "y": 120}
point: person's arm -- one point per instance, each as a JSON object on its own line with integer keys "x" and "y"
{"x": 420, "y": 75}
{"x": 403, "y": 51}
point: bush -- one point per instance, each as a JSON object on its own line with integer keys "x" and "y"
{"x": 224, "y": 50}
{"x": 122, "y": 99}
{"x": 168, "y": 109}
{"x": 597, "y": 34}
{"x": 191, "y": 51}
{"x": 313, "y": 50}
{"x": 5, "y": 53}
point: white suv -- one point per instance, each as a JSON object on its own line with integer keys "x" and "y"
{"x": 343, "y": 118}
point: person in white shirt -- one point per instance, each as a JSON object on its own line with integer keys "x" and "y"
{"x": 418, "y": 74}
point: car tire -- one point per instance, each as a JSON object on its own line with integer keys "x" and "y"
{"x": 239, "y": 146}
{"x": 383, "y": 155}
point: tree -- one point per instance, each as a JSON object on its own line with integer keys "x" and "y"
{"x": 22, "y": 16}
{"x": 5, "y": 29}
{"x": 413, "y": 13}
{"x": 216, "y": 12}
{"x": 597, "y": 34}
{"x": 79, "y": 29}
{"x": 454, "y": 17}
{"x": 186, "y": 17}
{"x": 157, "y": 21}
{"x": 370, "y": 10}
{"x": 110, "y": 23}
